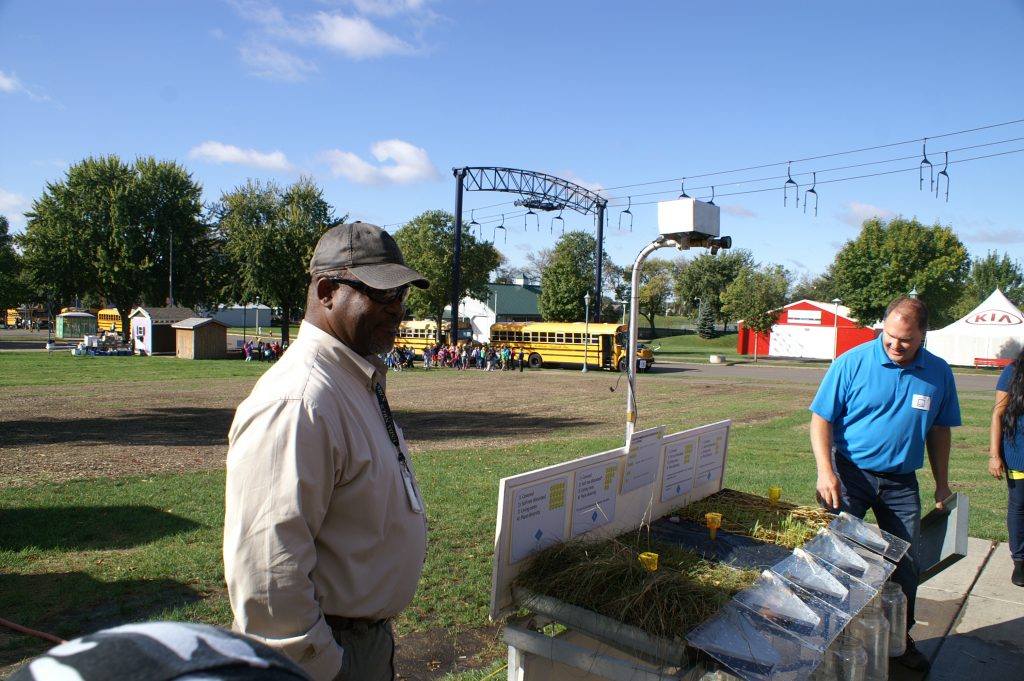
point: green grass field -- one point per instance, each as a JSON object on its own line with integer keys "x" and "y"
{"x": 79, "y": 555}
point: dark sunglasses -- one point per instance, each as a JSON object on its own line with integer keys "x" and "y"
{"x": 384, "y": 296}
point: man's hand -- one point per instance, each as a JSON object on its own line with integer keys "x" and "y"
{"x": 942, "y": 493}
{"x": 828, "y": 490}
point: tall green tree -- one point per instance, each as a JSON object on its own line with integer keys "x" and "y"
{"x": 428, "y": 245}
{"x": 11, "y": 290}
{"x": 987, "y": 274}
{"x": 755, "y": 296}
{"x": 706, "y": 277}
{"x": 888, "y": 259}
{"x": 268, "y": 234}
{"x": 568, "y": 276}
{"x": 656, "y": 279}
{"x": 820, "y": 288}
{"x": 105, "y": 231}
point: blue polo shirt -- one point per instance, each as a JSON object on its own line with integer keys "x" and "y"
{"x": 881, "y": 412}
{"x": 1013, "y": 450}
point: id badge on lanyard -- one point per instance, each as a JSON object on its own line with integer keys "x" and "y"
{"x": 411, "y": 490}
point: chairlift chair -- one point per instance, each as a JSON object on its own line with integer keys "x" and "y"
{"x": 627, "y": 212}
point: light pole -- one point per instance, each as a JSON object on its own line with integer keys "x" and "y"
{"x": 835, "y": 328}
{"x": 259, "y": 331}
{"x": 586, "y": 329}
{"x": 913, "y": 292}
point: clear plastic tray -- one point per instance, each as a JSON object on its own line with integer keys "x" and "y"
{"x": 824, "y": 581}
{"x": 753, "y": 647}
{"x": 794, "y": 609}
{"x": 870, "y": 537}
{"x": 865, "y": 565}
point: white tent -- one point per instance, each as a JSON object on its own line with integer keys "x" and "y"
{"x": 993, "y": 330}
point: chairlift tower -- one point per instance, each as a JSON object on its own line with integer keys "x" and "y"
{"x": 538, "y": 191}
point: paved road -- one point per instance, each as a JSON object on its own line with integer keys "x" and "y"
{"x": 812, "y": 375}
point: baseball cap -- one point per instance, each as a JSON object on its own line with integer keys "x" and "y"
{"x": 370, "y": 254}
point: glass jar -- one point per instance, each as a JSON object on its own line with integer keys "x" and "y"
{"x": 894, "y": 605}
{"x": 872, "y": 631}
{"x": 849, "y": 658}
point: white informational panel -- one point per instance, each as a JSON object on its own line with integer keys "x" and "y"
{"x": 594, "y": 502}
{"x": 642, "y": 458}
{"x": 680, "y": 467}
{"x": 602, "y": 495}
{"x": 538, "y": 519}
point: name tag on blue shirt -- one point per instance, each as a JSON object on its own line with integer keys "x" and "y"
{"x": 923, "y": 402}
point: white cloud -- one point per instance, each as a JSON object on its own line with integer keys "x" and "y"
{"x": 389, "y": 8}
{"x": 13, "y": 207}
{"x": 856, "y": 213}
{"x": 10, "y": 84}
{"x": 738, "y": 211}
{"x": 410, "y": 164}
{"x": 267, "y": 61}
{"x": 355, "y": 37}
{"x": 999, "y": 236}
{"x": 216, "y": 152}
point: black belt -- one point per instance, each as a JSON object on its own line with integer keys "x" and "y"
{"x": 353, "y": 623}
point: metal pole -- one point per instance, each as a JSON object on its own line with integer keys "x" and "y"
{"x": 259, "y": 331}
{"x": 634, "y": 309}
{"x": 599, "y": 258}
{"x": 170, "y": 265}
{"x": 586, "y": 330}
{"x": 459, "y": 173}
{"x": 835, "y": 329}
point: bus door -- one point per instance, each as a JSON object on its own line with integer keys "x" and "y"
{"x": 608, "y": 351}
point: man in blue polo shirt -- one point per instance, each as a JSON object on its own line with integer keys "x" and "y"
{"x": 879, "y": 408}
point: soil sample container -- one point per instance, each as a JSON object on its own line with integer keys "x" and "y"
{"x": 894, "y": 605}
{"x": 850, "y": 659}
{"x": 872, "y": 630}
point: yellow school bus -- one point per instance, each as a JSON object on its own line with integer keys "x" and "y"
{"x": 566, "y": 343}
{"x": 108, "y": 319}
{"x": 419, "y": 334}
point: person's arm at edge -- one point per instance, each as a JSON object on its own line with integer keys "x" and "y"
{"x": 996, "y": 467}
{"x": 938, "y": 442}
{"x": 281, "y": 613}
{"x": 821, "y": 444}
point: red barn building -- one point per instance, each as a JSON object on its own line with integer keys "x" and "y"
{"x": 806, "y": 329}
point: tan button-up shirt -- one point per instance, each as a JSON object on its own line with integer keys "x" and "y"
{"x": 318, "y": 519}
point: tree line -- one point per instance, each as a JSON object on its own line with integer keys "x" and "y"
{"x": 127, "y": 234}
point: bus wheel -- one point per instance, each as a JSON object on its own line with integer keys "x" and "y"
{"x": 535, "y": 361}
{"x": 622, "y": 364}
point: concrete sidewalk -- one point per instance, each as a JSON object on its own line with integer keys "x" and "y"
{"x": 970, "y": 620}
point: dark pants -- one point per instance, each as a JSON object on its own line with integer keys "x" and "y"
{"x": 896, "y": 501}
{"x": 1015, "y": 517}
{"x": 369, "y": 649}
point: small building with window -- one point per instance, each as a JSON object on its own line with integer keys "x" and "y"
{"x": 515, "y": 302}
{"x": 151, "y": 328}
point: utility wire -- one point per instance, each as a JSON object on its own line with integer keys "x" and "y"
{"x": 516, "y": 214}
{"x": 816, "y": 158}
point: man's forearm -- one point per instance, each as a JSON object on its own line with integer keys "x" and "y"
{"x": 939, "y": 443}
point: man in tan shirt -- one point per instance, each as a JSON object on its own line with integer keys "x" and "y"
{"x": 325, "y": 529}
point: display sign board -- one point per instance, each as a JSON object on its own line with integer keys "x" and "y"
{"x": 602, "y": 495}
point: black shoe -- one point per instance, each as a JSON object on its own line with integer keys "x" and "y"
{"x": 1018, "y": 573}
{"x": 913, "y": 658}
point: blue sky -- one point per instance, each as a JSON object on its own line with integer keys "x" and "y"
{"x": 377, "y": 101}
